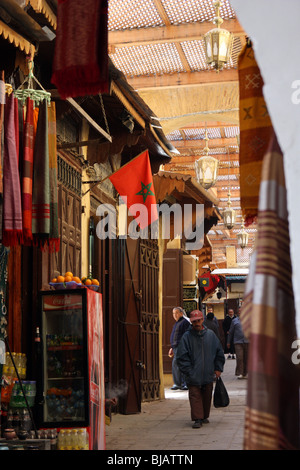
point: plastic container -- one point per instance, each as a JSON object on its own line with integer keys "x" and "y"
{"x": 68, "y": 439}
{"x": 17, "y": 398}
{"x": 74, "y": 439}
{"x": 83, "y": 443}
{"x": 61, "y": 438}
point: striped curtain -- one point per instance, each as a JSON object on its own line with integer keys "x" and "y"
{"x": 255, "y": 131}
{"x": 268, "y": 319}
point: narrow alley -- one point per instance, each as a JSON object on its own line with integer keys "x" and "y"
{"x": 166, "y": 425}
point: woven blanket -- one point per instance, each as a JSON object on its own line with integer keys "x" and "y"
{"x": 268, "y": 320}
{"x": 27, "y": 171}
{"x": 41, "y": 181}
{"x": 80, "y": 65}
{"x": 255, "y": 131}
{"x": 12, "y": 209}
{"x": 54, "y": 241}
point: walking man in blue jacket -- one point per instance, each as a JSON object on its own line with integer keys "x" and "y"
{"x": 200, "y": 358}
{"x": 180, "y": 327}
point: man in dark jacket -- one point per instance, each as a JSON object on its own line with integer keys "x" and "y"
{"x": 241, "y": 344}
{"x": 200, "y": 358}
{"x": 226, "y": 326}
{"x": 181, "y": 325}
{"x": 211, "y": 324}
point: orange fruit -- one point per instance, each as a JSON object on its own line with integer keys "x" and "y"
{"x": 95, "y": 282}
{"x": 68, "y": 278}
{"x": 60, "y": 279}
{"x": 54, "y": 280}
{"x": 69, "y": 274}
{"x": 88, "y": 282}
{"x": 76, "y": 279}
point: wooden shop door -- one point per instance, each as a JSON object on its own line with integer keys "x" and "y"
{"x": 129, "y": 321}
{"x": 149, "y": 270}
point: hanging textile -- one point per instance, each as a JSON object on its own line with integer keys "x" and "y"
{"x": 41, "y": 183}
{"x": 27, "y": 171}
{"x": 255, "y": 131}
{"x": 12, "y": 208}
{"x": 2, "y": 103}
{"x": 268, "y": 319}
{"x": 80, "y": 65}
{"x": 54, "y": 234}
{"x": 3, "y": 312}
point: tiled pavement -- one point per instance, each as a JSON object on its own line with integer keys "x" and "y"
{"x": 166, "y": 424}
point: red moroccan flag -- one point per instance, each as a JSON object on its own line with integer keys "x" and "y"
{"x": 134, "y": 181}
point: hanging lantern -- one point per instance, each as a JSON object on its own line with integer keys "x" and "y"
{"x": 206, "y": 168}
{"x": 218, "y": 42}
{"x": 242, "y": 237}
{"x": 229, "y": 215}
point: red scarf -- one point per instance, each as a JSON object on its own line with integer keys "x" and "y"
{"x": 80, "y": 65}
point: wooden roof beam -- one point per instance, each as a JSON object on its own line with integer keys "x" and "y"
{"x": 169, "y": 33}
{"x": 174, "y": 80}
{"x": 201, "y": 143}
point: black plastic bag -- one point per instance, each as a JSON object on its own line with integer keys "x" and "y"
{"x": 221, "y": 398}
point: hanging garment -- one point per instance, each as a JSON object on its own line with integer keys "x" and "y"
{"x": 80, "y": 65}
{"x": 2, "y": 103}
{"x": 268, "y": 320}
{"x": 255, "y": 131}
{"x": 12, "y": 209}
{"x": 27, "y": 171}
{"x": 41, "y": 181}
{"x": 53, "y": 234}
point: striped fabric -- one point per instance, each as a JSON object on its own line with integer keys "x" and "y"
{"x": 41, "y": 182}
{"x": 268, "y": 319}
{"x": 53, "y": 234}
{"x": 2, "y": 103}
{"x": 12, "y": 207}
{"x": 27, "y": 171}
{"x": 255, "y": 131}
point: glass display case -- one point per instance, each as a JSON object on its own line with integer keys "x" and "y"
{"x": 71, "y": 357}
{"x": 64, "y": 358}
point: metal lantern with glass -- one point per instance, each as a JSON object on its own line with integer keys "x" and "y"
{"x": 242, "y": 236}
{"x": 206, "y": 168}
{"x": 218, "y": 42}
{"x": 229, "y": 214}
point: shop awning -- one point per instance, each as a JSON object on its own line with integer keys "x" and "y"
{"x": 16, "y": 39}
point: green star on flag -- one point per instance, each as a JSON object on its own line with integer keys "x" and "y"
{"x": 145, "y": 191}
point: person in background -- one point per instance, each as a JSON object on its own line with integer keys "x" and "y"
{"x": 200, "y": 358}
{"x": 226, "y": 325}
{"x": 211, "y": 324}
{"x": 211, "y": 310}
{"x": 241, "y": 344}
{"x": 182, "y": 323}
